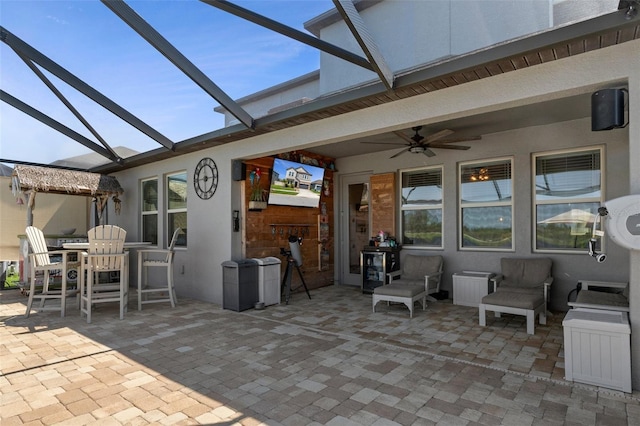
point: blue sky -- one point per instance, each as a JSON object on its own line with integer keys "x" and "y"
{"x": 90, "y": 41}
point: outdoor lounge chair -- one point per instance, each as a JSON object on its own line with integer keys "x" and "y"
{"x": 419, "y": 277}
{"x": 521, "y": 289}
{"x": 607, "y": 295}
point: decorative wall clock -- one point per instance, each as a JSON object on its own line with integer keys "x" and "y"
{"x": 205, "y": 178}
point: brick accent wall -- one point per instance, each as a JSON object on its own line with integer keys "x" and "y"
{"x": 267, "y": 231}
{"x": 383, "y": 203}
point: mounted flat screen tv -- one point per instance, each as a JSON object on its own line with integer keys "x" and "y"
{"x": 295, "y": 184}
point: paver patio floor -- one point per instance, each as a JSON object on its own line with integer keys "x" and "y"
{"x": 325, "y": 361}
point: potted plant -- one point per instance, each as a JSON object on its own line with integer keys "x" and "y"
{"x": 257, "y": 195}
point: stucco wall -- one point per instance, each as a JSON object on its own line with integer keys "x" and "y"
{"x": 262, "y": 103}
{"x": 426, "y": 31}
{"x": 52, "y": 214}
{"x": 518, "y": 144}
{"x": 212, "y": 242}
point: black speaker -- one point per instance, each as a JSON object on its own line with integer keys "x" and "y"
{"x": 607, "y": 109}
{"x": 238, "y": 170}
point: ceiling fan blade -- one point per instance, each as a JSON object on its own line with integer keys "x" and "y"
{"x": 428, "y": 152}
{"x": 470, "y": 138}
{"x": 459, "y": 147}
{"x": 438, "y": 135}
{"x": 401, "y": 152}
{"x": 405, "y": 137}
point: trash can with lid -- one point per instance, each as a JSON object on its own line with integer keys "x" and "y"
{"x": 269, "y": 280}
{"x": 239, "y": 284}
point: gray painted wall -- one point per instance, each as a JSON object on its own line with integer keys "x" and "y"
{"x": 518, "y": 144}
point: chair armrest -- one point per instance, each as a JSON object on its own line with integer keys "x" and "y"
{"x": 547, "y": 286}
{"x": 393, "y": 275}
{"x": 433, "y": 275}
{"x": 605, "y": 284}
{"x": 599, "y": 307}
{"x": 496, "y": 280}
{"x": 63, "y": 253}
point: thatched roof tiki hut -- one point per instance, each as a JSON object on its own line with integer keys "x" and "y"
{"x": 26, "y": 181}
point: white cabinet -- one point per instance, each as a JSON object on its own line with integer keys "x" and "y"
{"x": 470, "y": 287}
{"x": 597, "y": 348}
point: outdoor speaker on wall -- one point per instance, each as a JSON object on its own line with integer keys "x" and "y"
{"x": 607, "y": 109}
{"x": 238, "y": 170}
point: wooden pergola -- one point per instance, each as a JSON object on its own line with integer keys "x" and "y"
{"x": 27, "y": 181}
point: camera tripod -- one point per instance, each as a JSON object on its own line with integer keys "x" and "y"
{"x": 286, "y": 280}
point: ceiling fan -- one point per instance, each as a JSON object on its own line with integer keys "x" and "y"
{"x": 418, "y": 144}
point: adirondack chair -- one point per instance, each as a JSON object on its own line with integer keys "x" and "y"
{"x": 40, "y": 260}
{"x": 105, "y": 257}
{"x": 157, "y": 258}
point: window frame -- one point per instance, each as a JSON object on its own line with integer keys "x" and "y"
{"x": 583, "y": 200}
{"x": 170, "y": 211}
{"x": 421, "y": 207}
{"x": 144, "y": 212}
{"x": 479, "y": 164}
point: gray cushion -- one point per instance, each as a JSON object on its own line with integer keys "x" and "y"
{"x": 522, "y": 290}
{"x": 514, "y": 299}
{"x": 625, "y": 292}
{"x": 416, "y": 267}
{"x": 602, "y": 298}
{"x": 399, "y": 290}
{"x": 402, "y": 281}
{"x": 530, "y": 272}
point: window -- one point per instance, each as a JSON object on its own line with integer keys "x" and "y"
{"x": 421, "y": 208}
{"x": 149, "y": 220}
{"x": 568, "y": 192}
{"x": 486, "y": 205}
{"x": 177, "y": 206}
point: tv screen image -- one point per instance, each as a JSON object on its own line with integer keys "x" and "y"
{"x": 295, "y": 184}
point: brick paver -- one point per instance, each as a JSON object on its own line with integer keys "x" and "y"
{"x": 328, "y": 360}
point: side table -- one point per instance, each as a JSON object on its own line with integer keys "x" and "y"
{"x": 469, "y": 287}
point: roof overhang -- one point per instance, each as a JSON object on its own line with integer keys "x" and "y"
{"x": 528, "y": 51}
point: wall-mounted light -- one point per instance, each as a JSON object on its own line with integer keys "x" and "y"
{"x": 236, "y": 221}
{"x": 631, "y": 7}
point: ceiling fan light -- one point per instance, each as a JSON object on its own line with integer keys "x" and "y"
{"x": 480, "y": 174}
{"x": 417, "y": 149}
